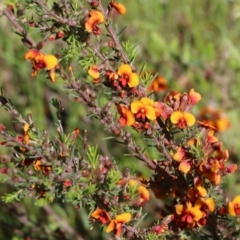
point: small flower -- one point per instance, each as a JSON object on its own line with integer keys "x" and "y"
{"x": 143, "y": 192}
{"x": 92, "y": 20}
{"x": 234, "y": 206}
{"x": 143, "y": 109}
{"x": 117, "y": 223}
{"x": 94, "y": 72}
{"x": 119, "y": 7}
{"x": 179, "y": 155}
{"x": 197, "y": 192}
{"x": 101, "y": 215}
{"x": 193, "y": 97}
{"x": 38, "y": 166}
{"x": 126, "y": 116}
{"x": 182, "y": 120}
{"x": 41, "y": 61}
{"x": 185, "y": 166}
{"x": 127, "y": 76}
{"x": 159, "y": 84}
{"x": 203, "y": 204}
{"x": 188, "y": 214}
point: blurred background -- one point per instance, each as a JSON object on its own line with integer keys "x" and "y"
{"x": 192, "y": 44}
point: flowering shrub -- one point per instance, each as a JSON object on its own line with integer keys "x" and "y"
{"x": 191, "y": 162}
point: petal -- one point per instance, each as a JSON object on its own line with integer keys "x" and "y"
{"x": 124, "y": 69}
{"x": 50, "y": 61}
{"x": 196, "y": 213}
{"x": 176, "y": 116}
{"x": 185, "y": 166}
{"x": 222, "y": 124}
{"x": 130, "y": 118}
{"x": 96, "y": 214}
{"x": 123, "y": 218}
{"x": 202, "y": 191}
{"x": 89, "y": 25}
{"x": 31, "y": 54}
{"x": 150, "y": 113}
{"x": 119, "y": 7}
{"x": 111, "y": 226}
{"x": 179, "y": 155}
{"x": 236, "y": 200}
{"x": 96, "y": 16}
{"x": 231, "y": 209}
{"x": 93, "y": 72}
{"x": 179, "y": 209}
{"x": 147, "y": 101}
{"x": 136, "y": 106}
{"x": 210, "y": 204}
{"x": 133, "y": 80}
{"x": 52, "y": 75}
{"x": 144, "y": 193}
{"x": 190, "y": 119}
{"x": 193, "y": 97}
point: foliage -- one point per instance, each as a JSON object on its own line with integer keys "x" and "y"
{"x": 127, "y": 114}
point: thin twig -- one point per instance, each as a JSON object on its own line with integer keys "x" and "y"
{"x": 18, "y": 27}
{"x": 51, "y": 13}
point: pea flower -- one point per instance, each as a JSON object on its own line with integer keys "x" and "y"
{"x": 234, "y": 206}
{"x": 117, "y": 223}
{"x": 127, "y": 76}
{"x": 101, "y": 215}
{"x": 92, "y": 20}
{"x": 120, "y": 8}
{"x": 41, "y": 61}
{"x": 126, "y": 116}
{"x": 182, "y": 120}
{"x": 143, "y": 109}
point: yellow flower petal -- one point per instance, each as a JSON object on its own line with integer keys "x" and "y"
{"x": 123, "y": 218}
{"x": 190, "y": 119}
{"x": 50, "y": 61}
{"x": 133, "y": 80}
{"x": 176, "y": 116}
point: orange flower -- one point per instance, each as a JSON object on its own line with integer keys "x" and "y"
{"x": 126, "y": 116}
{"x": 143, "y": 108}
{"x": 159, "y": 84}
{"x": 119, "y": 7}
{"x": 188, "y": 214}
{"x": 193, "y": 97}
{"x": 197, "y": 192}
{"x": 94, "y": 72}
{"x": 101, "y": 215}
{"x": 214, "y": 118}
{"x": 234, "y": 206}
{"x": 232, "y": 168}
{"x": 203, "y": 204}
{"x": 38, "y": 166}
{"x": 117, "y": 223}
{"x": 92, "y": 20}
{"x": 182, "y": 120}
{"x": 127, "y": 76}
{"x": 206, "y": 206}
{"x": 179, "y": 155}
{"x": 39, "y": 61}
{"x": 143, "y": 192}
{"x": 185, "y": 166}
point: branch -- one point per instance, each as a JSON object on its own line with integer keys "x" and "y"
{"x": 19, "y": 28}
